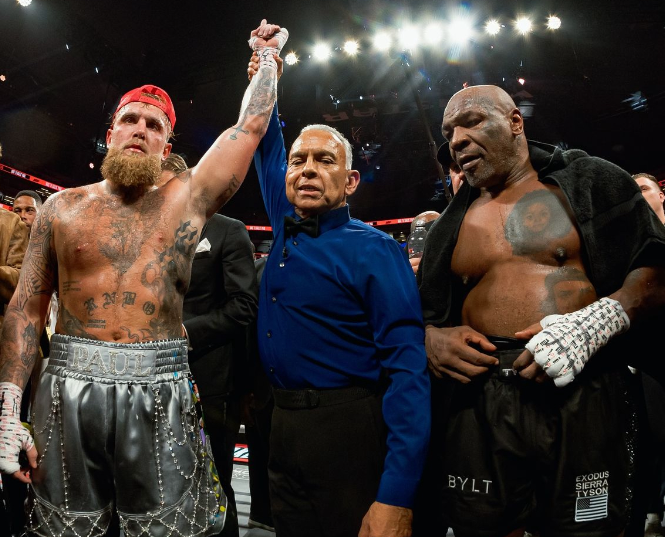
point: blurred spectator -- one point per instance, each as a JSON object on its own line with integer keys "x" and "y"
{"x": 26, "y": 205}
{"x": 652, "y": 192}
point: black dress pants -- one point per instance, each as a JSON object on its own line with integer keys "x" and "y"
{"x": 325, "y": 467}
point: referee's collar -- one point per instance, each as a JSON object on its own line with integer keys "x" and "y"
{"x": 331, "y": 219}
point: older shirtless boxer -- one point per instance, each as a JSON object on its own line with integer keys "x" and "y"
{"x": 556, "y": 252}
{"x": 114, "y": 422}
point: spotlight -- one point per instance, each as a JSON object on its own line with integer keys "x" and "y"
{"x": 24, "y": 3}
{"x": 461, "y": 30}
{"x": 492, "y": 27}
{"x": 3, "y": 78}
{"x": 92, "y": 165}
{"x": 433, "y": 33}
{"x": 321, "y": 52}
{"x": 382, "y": 41}
{"x": 409, "y": 38}
{"x": 553, "y": 22}
{"x": 291, "y": 58}
{"x": 521, "y": 81}
{"x": 351, "y": 47}
{"x": 523, "y": 25}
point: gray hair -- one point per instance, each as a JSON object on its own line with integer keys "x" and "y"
{"x": 348, "y": 148}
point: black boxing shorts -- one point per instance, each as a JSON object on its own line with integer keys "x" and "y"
{"x": 519, "y": 454}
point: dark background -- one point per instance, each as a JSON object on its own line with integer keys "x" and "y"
{"x": 598, "y": 83}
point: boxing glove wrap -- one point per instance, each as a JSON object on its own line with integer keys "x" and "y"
{"x": 13, "y": 436}
{"x": 566, "y": 342}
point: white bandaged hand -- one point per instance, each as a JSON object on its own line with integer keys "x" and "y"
{"x": 256, "y": 43}
{"x": 567, "y": 341}
{"x": 13, "y": 436}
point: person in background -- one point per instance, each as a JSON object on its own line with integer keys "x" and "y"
{"x": 26, "y": 205}
{"x": 425, "y": 219}
{"x": 652, "y": 192}
{"x": 654, "y": 395}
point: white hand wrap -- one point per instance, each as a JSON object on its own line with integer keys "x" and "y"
{"x": 266, "y": 58}
{"x": 281, "y": 37}
{"x": 567, "y": 342}
{"x": 13, "y": 436}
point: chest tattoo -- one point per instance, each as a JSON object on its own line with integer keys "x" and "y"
{"x": 536, "y": 222}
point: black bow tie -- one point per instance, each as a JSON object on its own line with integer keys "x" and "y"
{"x": 310, "y": 226}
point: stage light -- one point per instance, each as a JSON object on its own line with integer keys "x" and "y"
{"x": 461, "y": 30}
{"x": 553, "y": 22}
{"x": 382, "y": 41}
{"x": 66, "y": 46}
{"x": 521, "y": 81}
{"x": 523, "y": 25}
{"x": 24, "y": 3}
{"x": 3, "y": 78}
{"x": 409, "y": 38}
{"x": 92, "y": 165}
{"x": 433, "y": 33}
{"x": 492, "y": 27}
{"x": 291, "y": 58}
{"x": 321, "y": 52}
{"x": 351, "y": 47}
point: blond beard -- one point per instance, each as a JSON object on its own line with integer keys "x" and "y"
{"x": 130, "y": 170}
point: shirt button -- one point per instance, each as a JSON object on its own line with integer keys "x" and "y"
{"x": 269, "y": 334}
{"x": 274, "y": 299}
{"x": 272, "y": 370}
{"x": 295, "y": 243}
{"x": 281, "y": 264}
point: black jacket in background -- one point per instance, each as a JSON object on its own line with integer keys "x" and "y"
{"x": 220, "y": 303}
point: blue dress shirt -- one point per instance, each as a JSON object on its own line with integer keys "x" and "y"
{"x": 338, "y": 310}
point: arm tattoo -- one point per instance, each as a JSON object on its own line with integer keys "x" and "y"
{"x": 185, "y": 176}
{"x": 258, "y": 101}
{"x": 39, "y": 265}
{"x": 234, "y": 185}
{"x": 30, "y": 345}
{"x": 23, "y": 322}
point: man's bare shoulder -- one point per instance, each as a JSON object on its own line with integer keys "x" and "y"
{"x": 72, "y": 196}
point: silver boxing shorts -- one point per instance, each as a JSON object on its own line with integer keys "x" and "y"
{"x": 116, "y": 427}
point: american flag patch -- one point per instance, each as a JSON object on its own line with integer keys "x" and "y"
{"x": 591, "y": 508}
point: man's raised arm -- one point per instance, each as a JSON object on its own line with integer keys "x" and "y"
{"x": 19, "y": 343}
{"x": 223, "y": 168}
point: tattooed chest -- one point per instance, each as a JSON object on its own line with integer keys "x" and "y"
{"x": 142, "y": 303}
